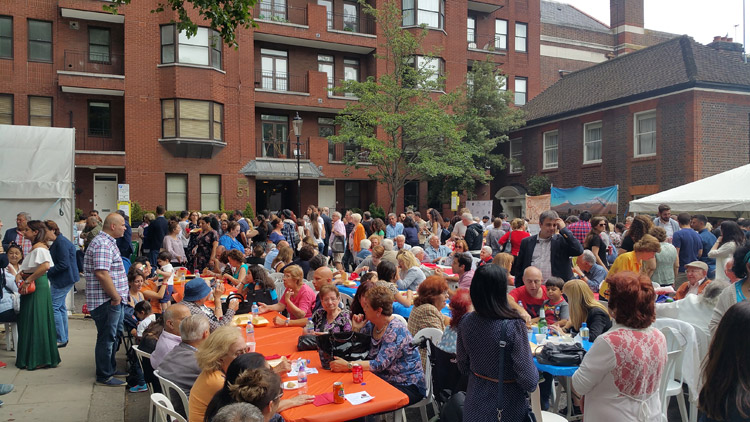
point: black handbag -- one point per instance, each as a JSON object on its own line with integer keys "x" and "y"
{"x": 349, "y": 346}
{"x": 338, "y": 245}
{"x": 260, "y": 296}
{"x": 529, "y": 416}
{"x": 561, "y": 354}
{"x": 307, "y": 342}
{"x": 244, "y": 308}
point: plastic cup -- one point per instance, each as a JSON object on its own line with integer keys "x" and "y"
{"x": 535, "y": 329}
{"x": 250, "y": 346}
{"x": 540, "y": 339}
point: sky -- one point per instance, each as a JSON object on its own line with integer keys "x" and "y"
{"x": 691, "y": 17}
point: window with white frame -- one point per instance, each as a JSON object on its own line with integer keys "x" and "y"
{"x": 515, "y": 156}
{"x": 550, "y": 150}
{"x": 592, "y": 142}
{"x": 203, "y": 48}
{"x": 176, "y": 192}
{"x": 501, "y": 34}
{"x": 325, "y": 65}
{"x": 210, "y": 192}
{"x": 520, "y": 91}
{"x": 521, "y": 36}
{"x": 427, "y": 12}
{"x": 471, "y": 29}
{"x": 274, "y": 69}
{"x": 645, "y": 133}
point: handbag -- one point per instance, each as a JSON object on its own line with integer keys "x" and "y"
{"x": 338, "y": 245}
{"x": 307, "y": 342}
{"x": 260, "y": 296}
{"x": 27, "y": 290}
{"x": 347, "y": 345}
{"x": 561, "y": 354}
{"x": 507, "y": 247}
{"x": 529, "y": 416}
{"x": 244, "y": 308}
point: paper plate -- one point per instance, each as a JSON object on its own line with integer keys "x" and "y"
{"x": 290, "y": 385}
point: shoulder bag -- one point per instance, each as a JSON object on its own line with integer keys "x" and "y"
{"x": 338, "y": 245}
{"x": 28, "y": 289}
{"x": 245, "y": 306}
{"x": 561, "y": 354}
{"x": 349, "y": 346}
{"x": 529, "y": 416}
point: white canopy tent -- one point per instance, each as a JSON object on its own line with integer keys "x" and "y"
{"x": 722, "y": 195}
{"x": 37, "y": 174}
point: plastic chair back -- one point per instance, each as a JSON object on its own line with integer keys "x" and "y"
{"x": 164, "y": 409}
{"x": 171, "y": 390}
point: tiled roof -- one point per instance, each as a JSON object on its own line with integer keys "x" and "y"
{"x": 567, "y": 15}
{"x": 672, "y": 65}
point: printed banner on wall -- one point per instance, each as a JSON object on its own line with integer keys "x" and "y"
{"x": 480, "y": 208}
{"x": 573, "y": 201}
{"x": 536, "y": 205}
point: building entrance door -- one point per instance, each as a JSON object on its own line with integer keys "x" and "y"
{"x": 105, "y": 193}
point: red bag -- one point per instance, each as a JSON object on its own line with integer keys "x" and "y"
{"x": 29, "y": 289}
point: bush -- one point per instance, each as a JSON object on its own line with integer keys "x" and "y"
{"x": 538, "y": 185}
{"x": 136, "y": 213}
{"x": 376, "y": 211}
{"x": 79, "y": 214}
{"x": 249, "y": 212}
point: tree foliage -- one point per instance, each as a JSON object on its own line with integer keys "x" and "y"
{"x": 224, "y": 15}
{"x": 401, "y": 122}
{"x": 538, "y": 185}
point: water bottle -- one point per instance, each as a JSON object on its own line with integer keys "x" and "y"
{"x": 302, "y": 377}
{"x": 250, "y": 332}
{"x": 543, "y": 326}
{"x": 254, "y": 310}
{"x": 309, "y": 327}
{"x": 584, "y": 332}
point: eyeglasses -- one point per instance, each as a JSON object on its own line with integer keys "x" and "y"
{"x": 281, "y": 394}
{"x": 601, "y": 224}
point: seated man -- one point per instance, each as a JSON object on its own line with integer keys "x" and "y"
{"x": 401, "y": 244}
{"x": 434, "y": 252}
{"x": 170, "y": 337}
{"x": 589, "y": 271}
{"x": 180, "y": 365}
{"x": 197, "y": 292}
{"x": 696, "y": 272}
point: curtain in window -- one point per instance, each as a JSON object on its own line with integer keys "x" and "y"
{"x": 194, "y": 119}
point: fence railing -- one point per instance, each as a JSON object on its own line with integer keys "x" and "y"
{"x": 351, "y": 23}
{"x": 287, "y": 148}
{"x": 280, "y": 81}
{"x": 338, "y": 151}
{"x": 497, "y": 43}
{"x": 93, "y": 62}
{"x": 99, "y": 141}
{"x": 271, "y": 12}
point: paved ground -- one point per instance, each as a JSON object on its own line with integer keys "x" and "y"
{"x": 68, "y": 393}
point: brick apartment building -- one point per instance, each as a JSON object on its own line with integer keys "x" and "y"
{"x": 648, "y": 121}
{"x": 191, "y": 123}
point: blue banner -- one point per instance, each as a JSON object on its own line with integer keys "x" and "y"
{"x": 597, "y": 201}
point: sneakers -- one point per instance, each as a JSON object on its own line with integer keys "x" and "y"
{"x": 138, "y": 388}
{"x": 112, "y": 382}
{"x": 5, "y": 388}
{"x": 61, "y": 345}
{"x": 120, "y": 374}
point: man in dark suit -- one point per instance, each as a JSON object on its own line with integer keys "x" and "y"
{"x": 124, "y": 243}
{"x": 548, "y": 251}
{"x": 328, "y": 225}
{"x": 155, "y": 235}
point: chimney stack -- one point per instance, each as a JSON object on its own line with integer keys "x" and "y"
{"x": 626, "y": 23}
{"x": 726, "y": 44}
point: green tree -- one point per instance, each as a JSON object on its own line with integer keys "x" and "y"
{"x": 401, "y": 122}
{"x": 538, "y": 185}
{"x": 486, "y": 116}
{"x": 224, "y": 15}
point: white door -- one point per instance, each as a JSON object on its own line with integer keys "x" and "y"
{"x": 105, "y": 193}
{"x": 327, "y": 194}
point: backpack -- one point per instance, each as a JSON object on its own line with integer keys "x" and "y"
{"x": 473, "y": 236}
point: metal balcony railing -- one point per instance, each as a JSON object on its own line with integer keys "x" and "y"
{"x": 287, "y": 148}
{"x": 351, "y": 23}
{"x": 271, "y": 11}
{"x": 92, "y": 62}
{"x": 86, "y": 141}
{"x": 280, "y": 81}
{"x": 497, "y": 43}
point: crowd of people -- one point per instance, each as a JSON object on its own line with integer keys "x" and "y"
{"x": 582, "y": 271}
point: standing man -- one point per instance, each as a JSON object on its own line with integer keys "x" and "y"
{"x": 665, "y": 221}
{"x": 698, "y": 223}
{"x": 15, "y": 235}
{"x": 328, "y": 225}
{"x": 547, "y": 251}
{"x": 505, "y": 226}
{"x": 244, "y": 228}
{"x": 582, "y": 227}
{"x": 337, "y": 229}
{"x": 348, "y": 259}
{"x": 394, "y": 227}
{"x": 106, "y": 288}
{"x": 155, "y": 235}
{"x": 688, "y": 244}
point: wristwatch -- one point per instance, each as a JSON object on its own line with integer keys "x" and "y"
{"x": 286, "y": 322}
{"x": 349, "y": 364}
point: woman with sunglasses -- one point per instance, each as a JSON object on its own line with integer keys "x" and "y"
{"x": 594, "y": 241}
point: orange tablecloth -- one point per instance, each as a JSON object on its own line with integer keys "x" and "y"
{"x": 272, "y": 340}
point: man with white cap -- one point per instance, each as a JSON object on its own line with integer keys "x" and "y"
{"x": 696, "y": 272}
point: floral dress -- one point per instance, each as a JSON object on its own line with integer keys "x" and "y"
{"x": 393, "y": 358}
{"x": 342, "y": 323}
{"x": 204, "y": 244}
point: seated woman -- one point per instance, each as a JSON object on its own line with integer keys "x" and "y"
{"x": 284, "y": 258}
{"x": 372, "y": 261}
{"x": 213, "y": 356}
{"x": 298, "y": 299}
{"x": 505, "y": 260}
{"x": 364, "y": 249}
{"x": 236, "y": 260}
{"x": 460, "y": 305}
{"x": 306, "y": 253}
{"x": 330, "y": 317}
{"x": 620, "y": 374}
{"x": 8, "y": 280}
{"x": 368, "y": 282}
{"x": 411, "y": 272}
{"x": 738, "y": 291}
{"x": 258, "y": 284}
{"x": 240, "y": 366}
{"x": 583, "y": 307}
{"x": 460, "y": 247}
{"x": 387, "y": 277}
{"x": 392, "y": 356}
{"x": 229, "y": 239}
{"x": 432, "y": 293}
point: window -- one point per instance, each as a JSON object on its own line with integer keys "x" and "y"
{"x": 521, "y": 29}
{"x": 210, "y": 192}
{"x": 192, "y": 119}
{"x": 550, "y": 150}
{"x": 100, "y": 119}
{"x": 325, "y": 65}
{"x": 6, "y": 109}
{"x": 351, "y": 23}
{"x": 645, "y": 133}
{"x": 502, "y": 82}
{"x": 326, "y": 127}
{"x": 433, "y": 67}
{"x": 515, "y": 156}
{"x": 40, "y": 41}
{"x": 520, "y": 92}
{"x": 501, "y": 34}
{"x": 99, "y": 45}
{"x": 427, "y": 12}
{"x": 592, "y": 142}
{"x": 40, "y": 111}
{"x": 329, "y": 11}
{"x": 176, "y": 192}
{"x": 203, "y": 49}
{"x": 351, "y": 72}
{"x": 6, "y": 37}
{"x": 275, "y": 132}
{"x": 471, "y": 31}
{"x": 273, "y": 69}
{"x": 351, "y": 195}
{"x": 411, "y": 194}
{"x": 273, "y": 10}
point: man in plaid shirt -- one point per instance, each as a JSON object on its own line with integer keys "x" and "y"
{"x": 106, "y": 288}
{"x": 582, "y": 227}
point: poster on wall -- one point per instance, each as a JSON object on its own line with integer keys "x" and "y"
{"x": 480, "y": 208}
{"x": 536, "y": 205}
{"x": 573, "y": 201}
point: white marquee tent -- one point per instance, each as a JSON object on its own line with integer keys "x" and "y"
{"x": 722, "y": 195}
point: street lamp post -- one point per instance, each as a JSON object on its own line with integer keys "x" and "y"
{"x": 297, "y": 125}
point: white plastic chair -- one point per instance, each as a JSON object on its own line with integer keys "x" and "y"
{"x": 164, "y": 409}
{"x": 140, "y": 354}
{"x": 674, "y": 356}
{"x": 310, "y": 284}
{"x": 280, "y": 288}
{"x": 11, "y": 334}
{"x": 399, "y": 317}
{"x": 348, "y": 300}
{"x": 167, "y": 387}
{"x": 434, "y": 335}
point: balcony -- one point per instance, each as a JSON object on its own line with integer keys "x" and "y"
{"x": 494, "y": 44}
{"x": 351, "y": 23}
{"x": 281, "y": 14}
{"x": 105, "y": 141}
{"x": 338, "y": 151}
{"x": 485, "y": 6}
{"x": 278, "y": 81}
{"x": 284, "y": 149}
{"x": 93, "y": 74}
{"x": 90, "y": 11}
{"x": 300, "y": 92}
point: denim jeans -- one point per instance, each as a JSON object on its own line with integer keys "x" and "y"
{"x": 60, "y": 311}
{"x": 108, "y": 320}
{"x": 152, "y": 254}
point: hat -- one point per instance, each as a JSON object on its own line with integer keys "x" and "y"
{"x": 196, "y": 289}
{"x": 698, "y": 264}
